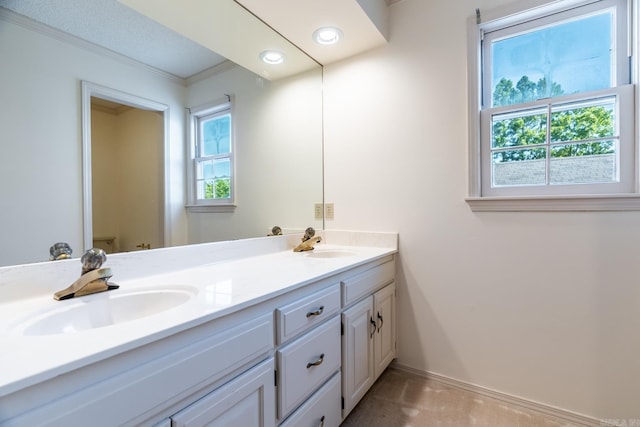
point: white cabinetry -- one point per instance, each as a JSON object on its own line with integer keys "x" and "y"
{"x": 309, "y": 361}
{"x": 369, "y": 334}
{"x": 320, "y": 410}
{"x": 357, "y": 352}
{"x": 248, "y": 400}
{"x": 144, "y": 385}
{"x": 384, "y": 343}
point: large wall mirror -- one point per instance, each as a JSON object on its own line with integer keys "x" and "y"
{"x": 278, "y": 124}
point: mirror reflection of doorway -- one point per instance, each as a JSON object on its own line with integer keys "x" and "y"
{"x": 126, "y": 177}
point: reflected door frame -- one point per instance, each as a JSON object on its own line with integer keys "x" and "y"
{"x": 90, "y": 90}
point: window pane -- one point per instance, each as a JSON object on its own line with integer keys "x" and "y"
{"x": 204, "y": 189}
{"x": 221, "y": 185}
{"x": 586, "y": 163}
{"x": 205, "y": 169}
{"x": 215, "y": 135}
{"x": 222, "y": 188}
{"x": 519, "y": 167}
{"x": 222, "y": 168}
{"x": 582, "y": 121}
{"x": 517, "y": 129}
{"x": 570, "y": 57}
{"x": 213, "y": 179}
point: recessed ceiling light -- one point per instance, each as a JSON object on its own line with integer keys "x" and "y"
{"x": 272, "y": 57}
{"x": 327, "y": 35}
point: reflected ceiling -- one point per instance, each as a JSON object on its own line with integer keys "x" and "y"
{"x": 101, "y": 22}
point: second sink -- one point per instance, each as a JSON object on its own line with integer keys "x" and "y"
{"x": 329, "y": 253}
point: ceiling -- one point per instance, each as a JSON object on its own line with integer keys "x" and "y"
{"x": 298, "y": 19}
{"x": 115, "y": 26}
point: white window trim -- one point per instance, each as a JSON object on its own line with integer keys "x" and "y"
{"x": 592, "y": 202}
{"x": 192, "y": 114}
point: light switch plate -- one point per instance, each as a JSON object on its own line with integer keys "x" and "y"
{"x": 318, "y": 211}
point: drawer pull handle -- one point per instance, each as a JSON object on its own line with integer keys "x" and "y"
{"x": 322, "y": 421}
{"x": 381, "y": 322}
{"x": 318, "y": 312}
{"x": 317, "y": 362}
{"x": 373, "y": 323}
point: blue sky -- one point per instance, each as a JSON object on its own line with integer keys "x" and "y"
{"x": 575, "y": 53}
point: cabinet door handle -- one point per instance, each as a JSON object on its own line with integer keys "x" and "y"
{"x": 373, "y": 323}
{"x": 322, "y": 421}
{"x": 381, "y": 322}
{"x": 318, "y": 312}
{"x": 317, "y": 362}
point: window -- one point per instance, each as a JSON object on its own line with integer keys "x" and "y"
{"x": 554, "y": 113}
{"x": 212, "y": 163}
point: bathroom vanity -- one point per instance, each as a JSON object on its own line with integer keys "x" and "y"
{"x": 231, "y": 333}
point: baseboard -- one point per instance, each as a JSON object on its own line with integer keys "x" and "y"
{"x": 563, "y": 414}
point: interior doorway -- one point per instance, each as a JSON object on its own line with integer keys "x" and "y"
{"x": 124, "y": 140}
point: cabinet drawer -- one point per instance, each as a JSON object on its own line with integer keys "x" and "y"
{"x": 367, "y": 282}
{"x": 306, "y": 363}
{"x": 303, "y": 314}
{"x": 322, "y": 409}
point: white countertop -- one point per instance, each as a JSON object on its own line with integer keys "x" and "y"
{"x": 218, "y": 289}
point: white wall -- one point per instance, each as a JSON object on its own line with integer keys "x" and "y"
{"x": 545, "y": 306}
{"x": 278, "y": 145}
{"x": 40, "y": 139}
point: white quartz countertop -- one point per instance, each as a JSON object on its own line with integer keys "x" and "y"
{"x": 216, "y": 289}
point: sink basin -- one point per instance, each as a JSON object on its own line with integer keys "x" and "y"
{"x": 328, "y": 253}
{"x": 100, "y": 310}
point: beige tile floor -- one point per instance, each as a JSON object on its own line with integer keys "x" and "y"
{"x": 402, "y": 399}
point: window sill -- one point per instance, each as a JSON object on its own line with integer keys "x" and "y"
{"x": 210, "y": 208}
{"x": 584, "y": 203}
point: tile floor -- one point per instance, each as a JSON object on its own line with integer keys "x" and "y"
{"x": 402, "y": 399}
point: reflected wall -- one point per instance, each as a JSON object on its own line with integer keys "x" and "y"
{"x": 41, "y": 143}
{"x": 278, "y": 154}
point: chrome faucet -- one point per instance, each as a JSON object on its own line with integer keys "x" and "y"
{"x": 93, "y": 279}
{"x": 308, "y": 240}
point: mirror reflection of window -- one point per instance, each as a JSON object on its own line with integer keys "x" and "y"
{"x": 213, "y": 154}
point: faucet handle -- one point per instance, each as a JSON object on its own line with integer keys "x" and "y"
{"x": 308, "y": 233}
{"x": 93, "y": 259}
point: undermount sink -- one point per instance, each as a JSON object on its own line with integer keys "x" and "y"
{"x": 100, "y": 310}
{"x": 329, "y": 253}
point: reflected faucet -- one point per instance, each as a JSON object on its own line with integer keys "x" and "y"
{"x": 275, "y": 231}
{"x": 60, "y": 250}
{"x": 308, "y": 240}
{"x": 93, "y": 279}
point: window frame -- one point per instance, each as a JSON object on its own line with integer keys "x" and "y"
{"x": 194, "y": 115}
{"x": 622, "y": 197}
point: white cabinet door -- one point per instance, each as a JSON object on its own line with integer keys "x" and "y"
{"x": 384, "y": 311}
{"x": 247, "y": 401}
{"x": 357, "y": 352}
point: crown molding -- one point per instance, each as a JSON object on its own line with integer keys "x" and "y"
{"x": 212, "y": 71}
